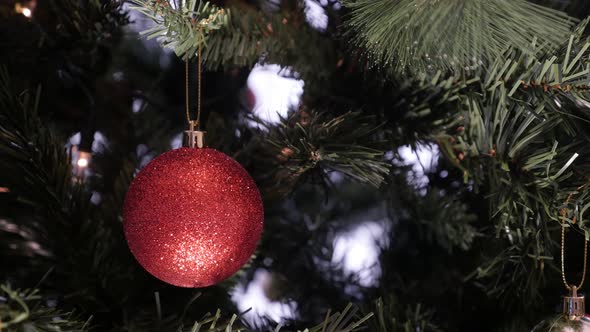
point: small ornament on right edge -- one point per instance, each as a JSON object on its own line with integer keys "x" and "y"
{"x": 573, "y": 317}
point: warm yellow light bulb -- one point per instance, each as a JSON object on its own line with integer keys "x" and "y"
{"x": 82, "y": 162}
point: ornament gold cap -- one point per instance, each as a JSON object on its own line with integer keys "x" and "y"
{"x": 574, "y": 305}
{"x": 194, "y": 138}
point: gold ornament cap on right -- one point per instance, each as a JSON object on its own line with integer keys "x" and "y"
{"x": 574, "y": 305}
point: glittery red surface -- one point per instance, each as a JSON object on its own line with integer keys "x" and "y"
{"x": 193, "y": 217}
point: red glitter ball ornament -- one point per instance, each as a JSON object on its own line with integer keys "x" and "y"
{"x": 193, "y": 217}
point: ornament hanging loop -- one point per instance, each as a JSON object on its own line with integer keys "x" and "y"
{"x": 194, "y": 138}
{"x": 574, "y": 305}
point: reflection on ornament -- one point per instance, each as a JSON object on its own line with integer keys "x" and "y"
{"x": 574, "y": 307}
{"x": 563, "y": 324}
{"x": 193, "y": 217}
{"x": 572, "y": 318}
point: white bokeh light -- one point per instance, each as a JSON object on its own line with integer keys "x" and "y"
{"x": 82, "y": 162}
{"x": 137, "y": 105}
{"x": 315, "y": 14}
{"x": 176, "y": 141}
{"x": 423, "y": 159}
{"x": 252, "y": 296}
{"x": 275, "y": 94}
{"x": 358, "y": 249}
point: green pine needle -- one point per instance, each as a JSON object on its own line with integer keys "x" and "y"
{"x": 414, "y": 36}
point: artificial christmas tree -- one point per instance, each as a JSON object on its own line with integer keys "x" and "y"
{"x": 417, "y": 184}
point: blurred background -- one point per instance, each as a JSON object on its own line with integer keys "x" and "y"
{"x": 383, "y": 219}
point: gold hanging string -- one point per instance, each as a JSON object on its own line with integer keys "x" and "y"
{"x": 194, "y": 123}
{"x": 204, "y": 22}
{"x": 188, "y": 116}
{"x": 195, "y": 137}
{"x": 563, "y": 221}
{"x": 199, "y": 77}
